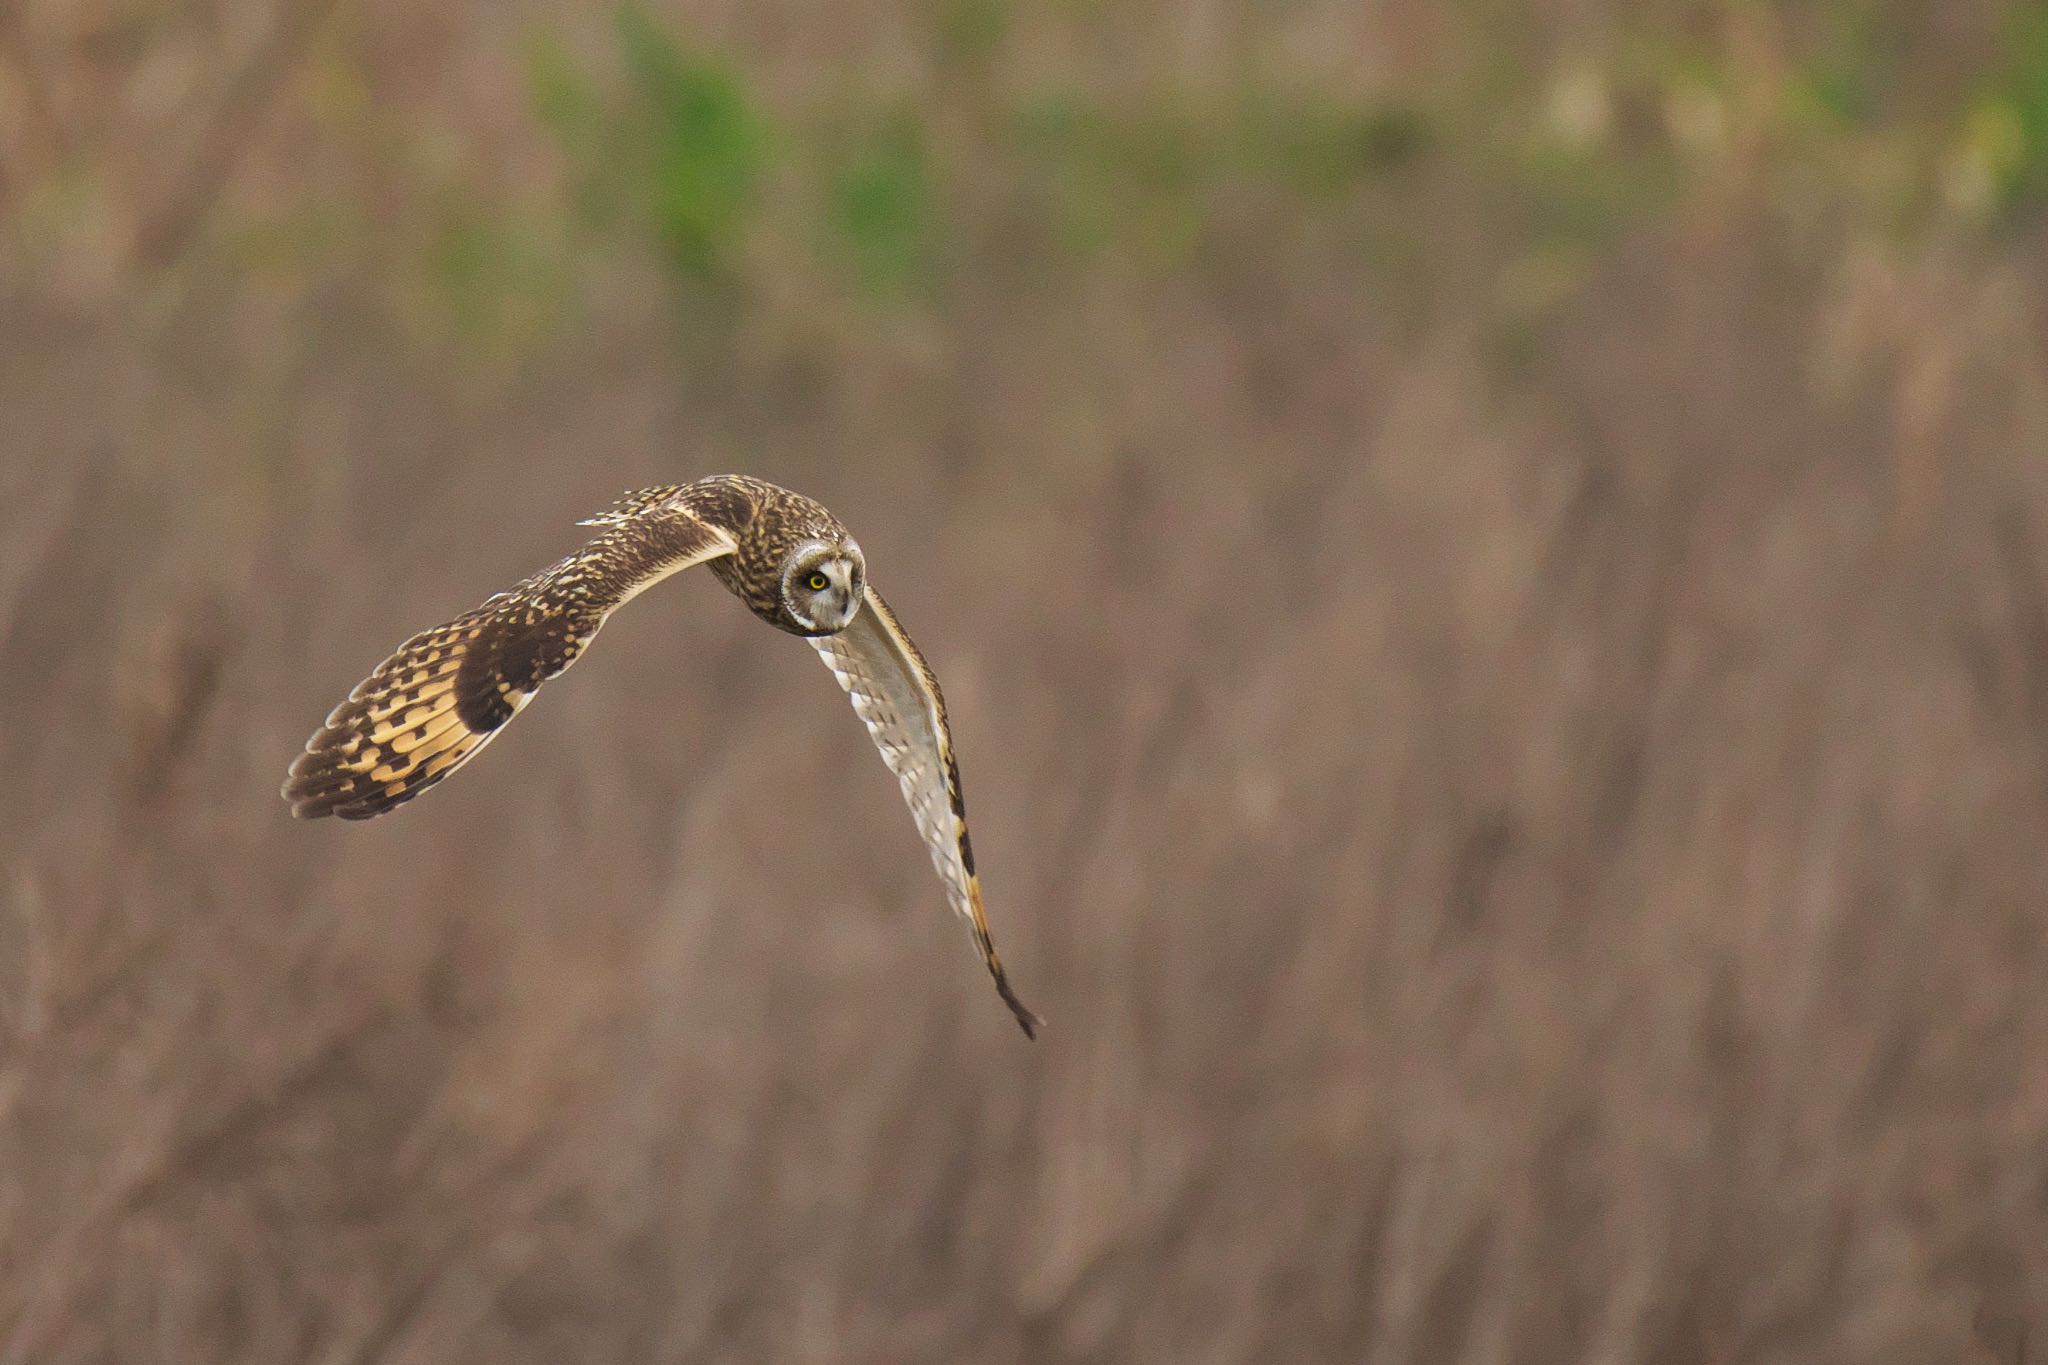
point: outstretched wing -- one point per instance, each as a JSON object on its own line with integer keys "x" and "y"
{"x": 895, "y": 694}
{"x": 432, "y": 705}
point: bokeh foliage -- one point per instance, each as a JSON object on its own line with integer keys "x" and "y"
{"x": 667, "y": 143}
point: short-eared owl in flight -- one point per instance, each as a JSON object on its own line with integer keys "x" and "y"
{"x": 448, "y": 691}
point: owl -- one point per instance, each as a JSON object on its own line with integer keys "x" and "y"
{"x": 447, "y": 692}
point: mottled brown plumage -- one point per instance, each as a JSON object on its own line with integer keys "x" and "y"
{"x": 447, "y": 692}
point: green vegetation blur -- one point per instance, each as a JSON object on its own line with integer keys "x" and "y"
{"x": 669, "y": 147}
{"x": 674, "y": 150}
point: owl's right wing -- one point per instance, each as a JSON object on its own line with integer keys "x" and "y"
{"x": 896, "y": 695}
{"x": 447, "y": 692}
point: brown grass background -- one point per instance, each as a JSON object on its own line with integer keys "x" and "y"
{"x": 1517, "y": 774}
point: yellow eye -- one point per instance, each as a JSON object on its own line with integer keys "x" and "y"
{"x": 817, "y": 582}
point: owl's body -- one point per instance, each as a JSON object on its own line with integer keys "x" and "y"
{"x": 447, "y": 692}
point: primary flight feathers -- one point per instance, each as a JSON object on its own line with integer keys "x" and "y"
{"x": 447, "y": 692}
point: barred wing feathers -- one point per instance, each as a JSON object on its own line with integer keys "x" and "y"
{"x": 446, "y": 692}
{"x": 896, "y": 696}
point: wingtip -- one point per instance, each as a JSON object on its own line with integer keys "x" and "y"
{"x": 303, "y": 806}
{"x": 1027, "y": 1019}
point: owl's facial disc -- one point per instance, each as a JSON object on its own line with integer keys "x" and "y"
{"x": 821, "y": 585}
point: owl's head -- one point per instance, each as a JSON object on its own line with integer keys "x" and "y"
{"x": 821, "y": 586}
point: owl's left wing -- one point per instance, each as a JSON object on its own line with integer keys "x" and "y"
{"x": 447, "y": 692}
{"x": 896, "y": 696}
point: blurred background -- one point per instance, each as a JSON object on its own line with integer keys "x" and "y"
{"x": 1487, "y": 560}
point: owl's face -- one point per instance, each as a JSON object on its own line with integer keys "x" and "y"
{"x": 821, "y": 586}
